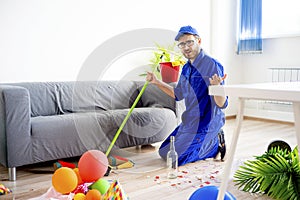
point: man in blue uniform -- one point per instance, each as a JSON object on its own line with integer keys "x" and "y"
{"x": 196, "y": 138}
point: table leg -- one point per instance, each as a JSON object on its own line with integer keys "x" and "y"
{"x": 230, "y": 156}
{"x": 296, "y": 107}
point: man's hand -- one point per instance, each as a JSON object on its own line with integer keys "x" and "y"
{"x": 216, "y": 80}
{"x": 169, "y": 90}
{"x": 151, "y": 77}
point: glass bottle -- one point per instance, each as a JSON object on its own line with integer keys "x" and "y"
{"x": 172, "y": 160}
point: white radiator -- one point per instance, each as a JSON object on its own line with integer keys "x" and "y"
{"x": 284, "y": 74}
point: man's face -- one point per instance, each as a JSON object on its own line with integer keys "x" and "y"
{"x": 189, "y": 46}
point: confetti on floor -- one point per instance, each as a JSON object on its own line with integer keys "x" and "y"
{"x": 207, "y": 172}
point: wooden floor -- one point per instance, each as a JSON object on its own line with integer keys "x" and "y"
{"x": 147, "y": 179}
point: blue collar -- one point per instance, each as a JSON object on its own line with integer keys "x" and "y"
{"x": 198, "y": 58}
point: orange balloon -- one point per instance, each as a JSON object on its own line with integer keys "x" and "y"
{"x": 64, "y": 180}
{"x": 76, "y": 170}
{"x": 93, "y": 195}
{"x": 92, "y": 165}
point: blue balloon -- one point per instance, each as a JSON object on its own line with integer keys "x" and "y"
{"x": 209, "y": 193}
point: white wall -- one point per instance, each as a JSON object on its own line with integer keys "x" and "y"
{"x": 277, "y": 52}
{"x": 223, "y": 43}
{"x": 49, "y": 40}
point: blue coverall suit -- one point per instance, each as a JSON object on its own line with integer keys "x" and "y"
{"x": 196, "y": 138}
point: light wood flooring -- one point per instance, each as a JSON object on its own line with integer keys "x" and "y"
{"x": 147, "y": 179}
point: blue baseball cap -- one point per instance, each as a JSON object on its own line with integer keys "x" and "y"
{"x": 186, "y": 30}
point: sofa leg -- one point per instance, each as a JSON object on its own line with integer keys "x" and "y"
{"x": 12, "y": 174}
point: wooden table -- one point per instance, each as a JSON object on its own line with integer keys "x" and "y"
{"x": 279, "y": 91}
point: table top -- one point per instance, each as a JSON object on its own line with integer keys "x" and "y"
{"x": 281, "y": 91}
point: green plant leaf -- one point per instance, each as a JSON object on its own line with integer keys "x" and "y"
{"x": 275, "y": 173}
{"x": 169, "y": 55}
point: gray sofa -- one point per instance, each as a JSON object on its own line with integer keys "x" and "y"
{"x": 45, "y": 121}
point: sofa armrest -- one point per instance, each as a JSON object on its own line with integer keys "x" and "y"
{"x": 14, "y": 125}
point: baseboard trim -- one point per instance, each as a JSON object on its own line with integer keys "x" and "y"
{"x": 260, "y": 119}
{"x": 230, "y": 117}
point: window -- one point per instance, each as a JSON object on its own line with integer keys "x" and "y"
{"x": 249, "y": 27}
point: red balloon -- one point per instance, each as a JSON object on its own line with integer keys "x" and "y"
{"x": 92, "y": 165}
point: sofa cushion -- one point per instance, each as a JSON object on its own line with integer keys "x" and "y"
{"x": 43, "y": 98}
{"x": 145, "y": 123}
{"x": 73, "y": 134}
{"x": 154, "y": 97}
{"x": 69, "y": 134}
{"x": 104, "y": 95}
{"x": 52, "y": 98}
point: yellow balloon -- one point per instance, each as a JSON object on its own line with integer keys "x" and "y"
{"x": 64, "y": 180}
{"x": 79, "y": 196}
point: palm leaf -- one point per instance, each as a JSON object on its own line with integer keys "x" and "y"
{"x": 275, "y": 173}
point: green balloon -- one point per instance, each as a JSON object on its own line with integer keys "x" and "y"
{"x": 101, "y": 185}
